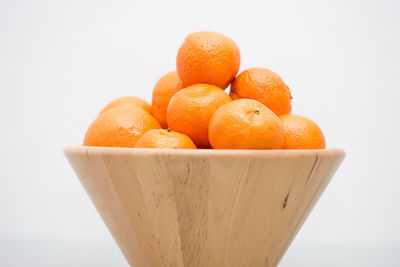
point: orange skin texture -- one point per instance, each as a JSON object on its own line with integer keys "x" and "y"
{"x": 119, "y": 127}
{"x": 265, "y": 86}
{"x": 191, "y": 108}
{"x": 245, "y": 124}
{"x": 208, "y": 57}
{"x": 127, "y": 100}
{"x": 163, "y": 91}
{"x": 161, "y": 138}
{"x": 301, "y": 133}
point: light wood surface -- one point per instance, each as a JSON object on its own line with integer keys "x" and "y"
{"x": 203, "y": 208}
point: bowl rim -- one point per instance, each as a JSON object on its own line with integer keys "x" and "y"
{"x": 328, "y": 152}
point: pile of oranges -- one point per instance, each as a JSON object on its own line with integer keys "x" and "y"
{"x": 190, "y": 108}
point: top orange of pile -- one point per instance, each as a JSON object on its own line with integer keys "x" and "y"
{"x": 194, "y": 110}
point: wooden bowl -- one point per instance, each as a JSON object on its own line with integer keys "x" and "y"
{"x": 198, "y": 208}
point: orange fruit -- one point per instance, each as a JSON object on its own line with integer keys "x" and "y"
{"x": 301, "y": 133}
{"x": 265, "y": 86}
{"x": 127, "y": 100}
{"x": 164, "y": 89}
{"x": 190, "y": 111}
{"x": 161, "y": 138}
{"x": 119, "y": 127}
{"x": 208, "y": 57}
{"x": 245, "y": 124}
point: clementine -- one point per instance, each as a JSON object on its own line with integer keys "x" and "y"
{"x": 301, "y": 133}
{"x": 119, "y": 127}
{"x": 164, "y": 89}
{"x": 245, "y": 124}
{"x": 208, "y": 57}
{"x": 265, "y": 86}
{"x": 127, "y": 100}
{"x": 161, "y": 138}
{"x": 190, "y": 110}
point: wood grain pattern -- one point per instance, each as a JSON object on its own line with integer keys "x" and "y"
{"x": 197, "y": 208}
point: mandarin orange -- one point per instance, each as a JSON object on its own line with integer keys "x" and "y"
{"x": 208, "y": 57}
{"x": 301, "y": 133}
{"x": 128, "y": 100}
{"x": 245, "y": 124}
{"x": 265, "y": 86}
{"x": 119, "y": 127}
{"x": 190, "y": 110}
{"x": 164, "y": 89}
{"x": 165, "y": 138}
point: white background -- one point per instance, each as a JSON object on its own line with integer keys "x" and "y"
{"x": 61, "y": 62}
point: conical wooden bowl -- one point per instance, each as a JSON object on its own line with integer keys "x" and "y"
{"x": 203, "y": 208}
